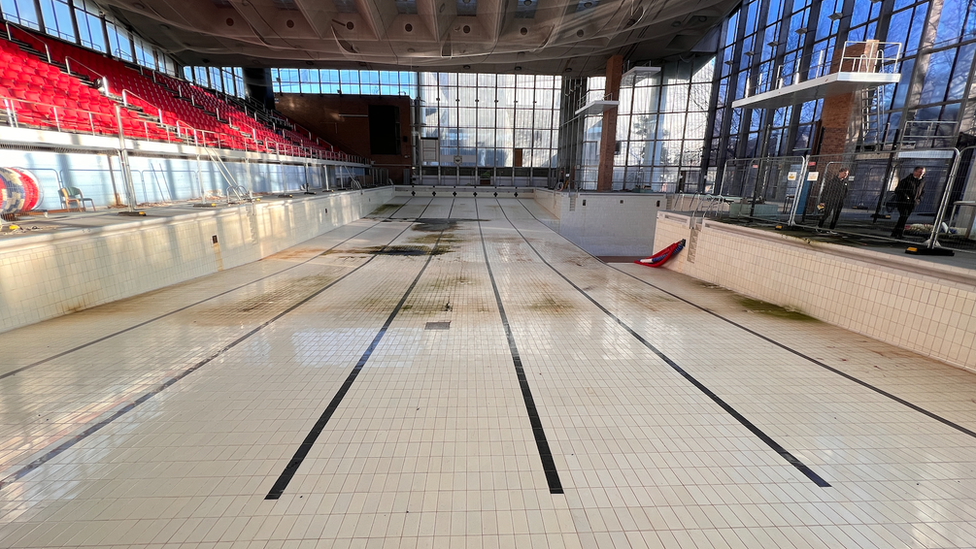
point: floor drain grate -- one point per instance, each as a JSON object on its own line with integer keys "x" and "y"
{"x": 438, "y": 326}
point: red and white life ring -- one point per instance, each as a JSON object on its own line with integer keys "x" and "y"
{"x": 20, "y": 191}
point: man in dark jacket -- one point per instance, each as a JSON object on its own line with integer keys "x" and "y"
{"x": 832, "y": 199}
{"x": 908, "y": 194}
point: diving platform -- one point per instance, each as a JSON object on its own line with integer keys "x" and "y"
{"x": 597, "y": 107}
{"x": 861, "y": 65}
{"x": 838, "y": 83}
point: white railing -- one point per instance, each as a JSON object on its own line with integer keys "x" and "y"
{"x": 873, "y": 57}
{"x": 22, "y": 112}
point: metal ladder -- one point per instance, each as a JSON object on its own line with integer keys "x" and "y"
{"x": 872, "y": 116}
{"x": 234, "y": 188}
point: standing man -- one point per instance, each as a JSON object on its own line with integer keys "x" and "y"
{"x": 832, "y": 200}
{"x": 908, "y": 194}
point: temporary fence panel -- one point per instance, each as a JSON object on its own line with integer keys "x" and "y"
{"x": 864, "y": 202}
{"x": 958, "y": 209}
{"x": 763, "y": 188}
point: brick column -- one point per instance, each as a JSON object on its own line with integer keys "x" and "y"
{"x": 839, "y": 109}
{"x": 608, "y": 133}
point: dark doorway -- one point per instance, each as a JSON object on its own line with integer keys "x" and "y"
{"x": 384, "y": 129}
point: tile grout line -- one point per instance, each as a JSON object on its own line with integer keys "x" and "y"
{"x": 775, "y": 446}
{"x": 306, "y": 446}
{"x": 20, "y": 473}
{"x": 785, "y": 347}
{"x": 538, "y": 431}
{"x": 181, "y": 309}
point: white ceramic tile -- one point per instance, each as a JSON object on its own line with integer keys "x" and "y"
{"x": 432, "y": 445}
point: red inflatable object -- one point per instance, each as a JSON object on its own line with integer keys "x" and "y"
{"x": 663, "y": 256}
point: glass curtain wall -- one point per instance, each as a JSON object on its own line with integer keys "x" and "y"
{"x": 95, "y": 30}
{"x": 661, "y": 124}
{"x": 489, "y": 120}
{"x": 933, "y": 104}
{"x": 480, "y": 121}
{"x": 353, "y": 82}
{"x": 229, "y": 80}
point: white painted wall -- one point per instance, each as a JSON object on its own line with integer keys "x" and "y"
{"x": 608, "y": 224}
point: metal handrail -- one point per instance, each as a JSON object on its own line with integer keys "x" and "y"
{"x": 67, "y": 63}
{"x": 126, "y": 93}
{"x": 12, "y": 112}
{"x": 777, "y": 74}
{"x": 243, "y": 195}
{"x": 47, "y": 50}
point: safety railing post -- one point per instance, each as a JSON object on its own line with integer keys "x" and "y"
{"x": 124, "y": 160}
{"x": 800, "y": 181}
{"x": 933, "y": 240}
{"x": 11, "y": 113}
{"x": 203, "y": 193}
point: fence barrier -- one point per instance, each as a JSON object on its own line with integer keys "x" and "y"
{"x": 855, "y": 195}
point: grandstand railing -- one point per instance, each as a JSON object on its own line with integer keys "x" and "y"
{"x": 92, "y": 73}
{"x": 21, "y": 113}
{"x": 10, "y": 27}
{"x": 128, "y": 95}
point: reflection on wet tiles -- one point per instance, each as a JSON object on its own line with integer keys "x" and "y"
{"x": 432, "y": 445}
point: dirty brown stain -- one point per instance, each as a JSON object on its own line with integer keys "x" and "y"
{"x": 446, "y": 238}
{"x": 259, "y": 307}
{"x": 401, "y": 250}
{"x": 383, "y": 209}
{"x": 296, "y": 253}
{"x": 762, "y": 307}
{"x": 434, "y": 224}
{"x": 551, "y": 304}
{"x": 710, "y": 286}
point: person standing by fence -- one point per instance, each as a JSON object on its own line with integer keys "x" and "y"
{"x": 832, "y": 199}
{"x": 908, "y": 194}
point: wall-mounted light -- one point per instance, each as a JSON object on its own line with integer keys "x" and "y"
{"x": 836, "y": 16}
{"x": 801, "y": 31}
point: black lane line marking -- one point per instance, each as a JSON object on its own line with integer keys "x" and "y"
{"x": 845, "y": 375}
{"x": 166, "y": 384}
{"x": 306, "y": 446}
{"x": 548, "y": 464}
{"x": 181, "y": 309}
{"x": 84, "y": 434}
{"x": 775, "y": 446}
